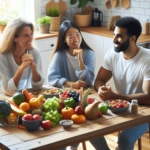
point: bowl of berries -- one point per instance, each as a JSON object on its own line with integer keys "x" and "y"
{"x": 65, "y": 95}
{"x": 49, "y": 93}
{"x": 117, "y": 105}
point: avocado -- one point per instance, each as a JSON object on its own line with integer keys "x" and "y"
{"x": 18, "y": 98}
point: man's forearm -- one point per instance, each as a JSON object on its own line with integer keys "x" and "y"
{"x": 141, "y": 97}
{"x": 98, "y": 84}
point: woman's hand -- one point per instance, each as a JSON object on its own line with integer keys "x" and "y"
{"x": 28, "y": 57}
{"x": 25, "y": 64}
{"x": 78, "y": 53}
{"x": 78, "y": 84}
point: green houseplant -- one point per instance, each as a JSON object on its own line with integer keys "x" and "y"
{"x": 54, "y": 14}
{"x": 82, "y": 3}
{"x": 82, "y": 19}
{"x": 3, "y": 24}
{"x": 44, "y": 24}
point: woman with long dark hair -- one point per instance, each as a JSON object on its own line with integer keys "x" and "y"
{"x": 71, "y": 59}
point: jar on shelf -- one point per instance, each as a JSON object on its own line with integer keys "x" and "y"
{"x": 134, "y": 107}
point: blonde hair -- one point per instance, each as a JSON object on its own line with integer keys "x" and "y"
{"x": 12, "y": 30}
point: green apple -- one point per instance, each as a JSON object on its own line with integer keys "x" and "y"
{"x": 103, "y": 108}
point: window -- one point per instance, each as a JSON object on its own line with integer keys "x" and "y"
{"x": 9, "y": 9}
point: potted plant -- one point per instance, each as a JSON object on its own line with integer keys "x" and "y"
{"x": 82, "y": 19}
{"x": 54, "y": 14}
{"x": 3, "y": 24}
{"x": 44, "y": 24}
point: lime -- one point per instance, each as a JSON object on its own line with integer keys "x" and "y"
{"x": 18, "y": 98}
{"x": 103, "y": 108}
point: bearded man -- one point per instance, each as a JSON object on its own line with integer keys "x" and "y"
{"x": 130, "y": 67}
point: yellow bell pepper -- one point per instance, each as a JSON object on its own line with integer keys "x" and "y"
{"x": 35, "y": 102}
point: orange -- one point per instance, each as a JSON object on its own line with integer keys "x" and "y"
{"x": 12, "y": 115}
{"x": 24, "y": 106}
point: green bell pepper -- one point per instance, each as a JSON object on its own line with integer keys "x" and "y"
{"x": 70, "y": 102}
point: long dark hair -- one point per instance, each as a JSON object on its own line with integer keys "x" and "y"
{"x": 60, "y": 44}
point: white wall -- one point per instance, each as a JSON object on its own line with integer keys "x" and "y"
{"x": 139, "y": 9}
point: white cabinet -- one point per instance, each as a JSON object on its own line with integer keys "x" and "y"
{"x": 100, "y": 45}
{"x": 94, "y": 42}
{"x": 46, "y": 47}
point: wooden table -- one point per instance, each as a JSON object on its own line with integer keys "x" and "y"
{"x": 91, "y": 129}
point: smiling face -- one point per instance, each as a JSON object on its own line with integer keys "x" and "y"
{"x": 24, "y": 39}
{"x": 73, "y": 38}
{"x": 121, "y": 39}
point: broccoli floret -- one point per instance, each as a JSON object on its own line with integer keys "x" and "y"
{"x": 5, "y": 109}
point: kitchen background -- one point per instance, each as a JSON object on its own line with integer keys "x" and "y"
{"x": 139, "y": 9}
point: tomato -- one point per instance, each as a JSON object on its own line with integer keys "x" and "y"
{"x": 46, "y": 124}
{"x": 36, "y": 117}
{"x": 99, "y": 113}
{"x": 90, "y": 100}
{"x": 28, "y": 117}
{"x": 43, "y": 100}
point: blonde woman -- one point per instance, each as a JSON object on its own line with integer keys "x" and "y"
{"x": 20, "y": 63}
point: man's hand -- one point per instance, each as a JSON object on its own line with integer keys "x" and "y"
{"x": 78, "y": 84}
{"x": 106, "y": 93}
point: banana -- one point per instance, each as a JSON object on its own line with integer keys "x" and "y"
{"x": 17, "y": 111}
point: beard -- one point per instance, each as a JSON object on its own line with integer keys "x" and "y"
{"x": 124, "y": 46}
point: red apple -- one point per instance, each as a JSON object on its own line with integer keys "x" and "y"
{"x": 61, "y": 105}
{"x": 99, "y": 113}
{"x": 36, "y": 117}
{"x": 78, "y": 110}
{"x": 28, "y": 117}
{"x": 90, "y": 100}
{"x": 46, "y": 124}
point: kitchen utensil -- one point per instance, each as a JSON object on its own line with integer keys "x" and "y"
{"x": 125, "y": 3}
{"x": 117, "y": 3}
{"x": 114, "y": 19}
{"x": 146, "y": 28}
{"x": 97, "y": 18}
{"x": 61, "y": 5}
{"x": 114, "y": 3}
{"x": 110, "y": 23}
{"x": 108, "y": 4}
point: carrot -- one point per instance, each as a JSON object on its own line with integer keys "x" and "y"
{"x": 31, "y": 95}
{"x": 12, "y": 102}
{"x": 26, "y": 94}
{"x": 21, "y": 127}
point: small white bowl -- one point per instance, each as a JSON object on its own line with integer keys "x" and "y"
{"x": 66, "y": 123}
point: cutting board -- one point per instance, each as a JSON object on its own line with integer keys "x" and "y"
{"x": 61, "y": 5}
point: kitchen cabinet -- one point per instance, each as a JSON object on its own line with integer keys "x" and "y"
{"x": 100, "y": 45}
{"x": 46, "y": 47}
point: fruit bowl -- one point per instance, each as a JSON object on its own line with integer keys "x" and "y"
{"x": 62, "y": 99}
{"x": 49, "y": 93}
{"x": 117, "y": 110}
{"x": 31, "y": 125}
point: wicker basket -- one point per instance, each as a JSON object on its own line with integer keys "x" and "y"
{"x": 54, "y": 26}
{"x": 83, "y": 20}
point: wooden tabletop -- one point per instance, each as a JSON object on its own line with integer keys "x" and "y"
{"x": 91, "y": 129}
{"x": 102, "y": 31}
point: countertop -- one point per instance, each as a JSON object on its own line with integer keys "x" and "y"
{"x": 102, "y": 31}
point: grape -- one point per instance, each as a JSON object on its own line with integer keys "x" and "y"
{"x": 51, "y": 111}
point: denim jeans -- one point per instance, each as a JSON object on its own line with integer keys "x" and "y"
{"x": 126, "y": 140}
